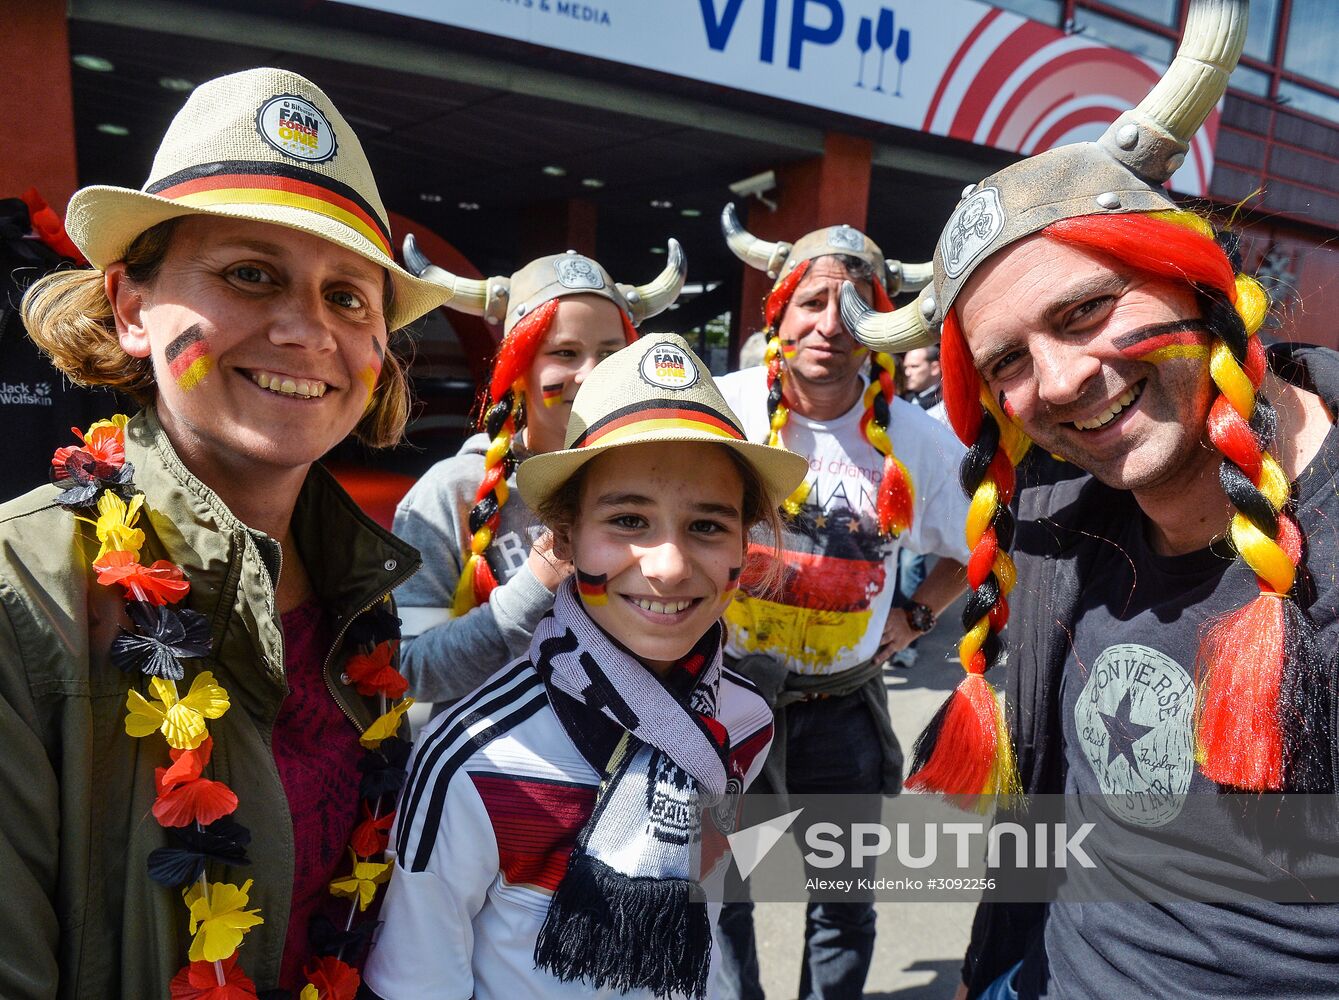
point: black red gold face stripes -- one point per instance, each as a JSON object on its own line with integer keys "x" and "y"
{"x": 732, "y": 584}
{"x": 369, "y": 375}
{"x": 653, "y": 415}
{"x": 593, "y": 588}
{"x": 188, "y": 358}
{"x": 553, "y": 394}
{"x": 1159, "y": 342}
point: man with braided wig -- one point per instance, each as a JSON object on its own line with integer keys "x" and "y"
{"x": 1173, "y": 614}
{"x": 489, "y": 573}
{"x": 881, "y": 477}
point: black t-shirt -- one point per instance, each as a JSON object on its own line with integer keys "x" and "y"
{"x": 1127, "y": 700}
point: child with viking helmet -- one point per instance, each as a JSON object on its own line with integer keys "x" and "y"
{"x": 881, "y": 477}
{"x": 560, "y": 823}
{"x": 1173, "y": 616}
{"x": 489, "y": 571}
{"x": 198, "y": 698}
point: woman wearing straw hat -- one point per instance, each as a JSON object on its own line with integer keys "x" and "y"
{"x": 559, "y": 823}
{"x": 489, "y": 573}
{"x": 197, "y": 644}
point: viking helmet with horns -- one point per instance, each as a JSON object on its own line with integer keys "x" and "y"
{"x": 778, "y": 259}
{"x": 508, "y": 300}
{"x": 1123, "y": 171}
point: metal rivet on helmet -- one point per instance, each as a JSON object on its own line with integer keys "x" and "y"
{"x": 1174, "y": 161}
{"x": 968, "y": 191}
{"x": 1109, "y": 200}
{"x": 1128, "y": 136}
{"x": 633, "y": 296}
{"x": 520, "y": 310}
{"x": 928, "y": 307}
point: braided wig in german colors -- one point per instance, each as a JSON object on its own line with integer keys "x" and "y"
{"x": 1263, "y": 703}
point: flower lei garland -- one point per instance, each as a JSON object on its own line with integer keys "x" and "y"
{"x": 195, "y": 810}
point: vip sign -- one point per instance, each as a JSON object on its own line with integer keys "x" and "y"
{"x": 956, "y": 68}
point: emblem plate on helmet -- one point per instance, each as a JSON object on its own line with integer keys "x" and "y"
{"x": 576, "y": 271}
{"x": 971, "y": 229}
{"x": 846, "y": 238}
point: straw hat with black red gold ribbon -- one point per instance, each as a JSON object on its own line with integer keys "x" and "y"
{"x": 656, "y": 390}
{"x": 266, "y": 145}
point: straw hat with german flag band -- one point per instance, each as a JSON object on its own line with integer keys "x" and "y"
{"x": 266, "y": 145}
{"x": 657, "y": 390}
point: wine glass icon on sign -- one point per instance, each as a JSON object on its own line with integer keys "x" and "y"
{"x": 864, "y": 41}
{"x": 883, "y": 34}
{"x": 903, "y": 53}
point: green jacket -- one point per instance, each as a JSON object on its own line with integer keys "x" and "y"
{"x": 81, "y": 918}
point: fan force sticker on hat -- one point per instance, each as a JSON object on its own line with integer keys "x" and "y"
{"x": 669, "y": 367}
{"x": 295, "y": 127}
{"x": 973, "y": 227}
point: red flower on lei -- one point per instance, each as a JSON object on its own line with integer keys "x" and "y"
{"x": 200, "y": 981}
{"x": 184, "y": 797}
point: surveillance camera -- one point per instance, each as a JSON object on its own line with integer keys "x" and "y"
{"x": 757, "y": 185}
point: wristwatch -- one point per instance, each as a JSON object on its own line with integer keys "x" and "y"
{"x": 919, "y": 617}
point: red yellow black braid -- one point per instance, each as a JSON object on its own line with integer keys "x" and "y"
{"x": 966, "y": 749}
{"x": 778, "y": 412}
{"x": 1263, "y": 697}
{"x": 894, "y": 502}
{"x": 503, "y": 420}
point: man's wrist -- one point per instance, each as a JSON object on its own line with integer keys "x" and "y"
{"x": 920, "y": 617}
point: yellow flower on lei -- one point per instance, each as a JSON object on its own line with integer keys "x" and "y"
{"x": 116, "y": 524}
{"x": 387, "y": 725}
{"x": 222, "y": 919}
{"x": 367, "y": 875}
{"x": 182, "y": 721}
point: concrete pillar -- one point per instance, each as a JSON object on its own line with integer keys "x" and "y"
{"x": 37, "y": 111}
{"x": 555, "y": 226}
{"x": 824, "y": 191}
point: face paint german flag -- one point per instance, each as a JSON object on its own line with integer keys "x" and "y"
{"x": 369, "y": 375}
{"x": 788, "y": 349}
{"x": 553, "y": 394}
{"x": 732, "y": 585}
{"x": 188, "y": 358}
{"x": 1159, "y": 342}
{"x": 1007, "y": 406}
{"x": 592, "y": 588}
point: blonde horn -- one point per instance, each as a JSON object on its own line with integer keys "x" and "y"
{"x": 904, "y": 277}
{"x": 892, "y": 332}
{"x": 765, "y": 256}
{"x": 650, "y": 299}
{"x": 468, "y": 295}
{"x": 1152, "y": 139}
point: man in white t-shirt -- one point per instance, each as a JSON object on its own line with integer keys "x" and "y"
{"x": 831, "y": 624}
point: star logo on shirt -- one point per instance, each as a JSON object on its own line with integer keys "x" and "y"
{"x": 1124, "y": 733}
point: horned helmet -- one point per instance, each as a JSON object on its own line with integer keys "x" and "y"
{"x": 1123, "y": 171}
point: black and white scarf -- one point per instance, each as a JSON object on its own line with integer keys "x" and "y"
{"x": 630, "y": 912}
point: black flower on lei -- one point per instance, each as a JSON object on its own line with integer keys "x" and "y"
{"x": 82, "y": 478}
{"x": 163, "y": 637}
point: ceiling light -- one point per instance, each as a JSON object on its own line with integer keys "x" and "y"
{"x": 468, "y": 206}
{"x": 429, "y": 197}
{"x": 553, "y": 171}
{"x": 657, "y": 249}
{"x": 592, "y": 182}
{"x": 690, "y": 213}
{"x": 96, "y": 63}
{"x": 107, "y": 128}
{"x": 175, "y": 83}
{"x": 661, "y": 203}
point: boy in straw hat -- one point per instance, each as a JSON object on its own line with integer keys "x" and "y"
{"x": 197, "y": 645}
{"x": 489, "y": 572}
{"x": 559, "y": 821}
{"x": 1152, "y": 663}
